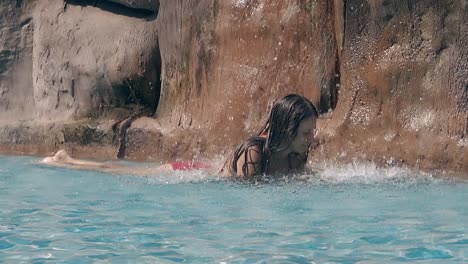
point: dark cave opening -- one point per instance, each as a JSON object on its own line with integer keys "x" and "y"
{"x": 145, "y": 90}
{"x": 118, "y": 9}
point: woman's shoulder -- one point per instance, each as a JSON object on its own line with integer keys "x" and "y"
{"x": 250, "y": 160}
{"x": 247, "y": 157}
{"x": 254, "y": 153}
{"x": 251, "y": 146}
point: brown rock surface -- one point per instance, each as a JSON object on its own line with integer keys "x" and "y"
{"x": 404, "y": 95}
{"x": 212, "y": 68}
{"x": 89, "y": 61}
{"x": 16, "y": 42}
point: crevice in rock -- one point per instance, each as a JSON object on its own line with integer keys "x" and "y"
{"x": 25, "y": 22}
{"x": 145, "y": 91}
{"x": 329, "y": 93}
{"x": 5, "y": 57}
{"x": 117, "y": 8}
{"x": 157, "y": 64}
{"x": 336, "y": 81}
{"x": 344, "y": 22}
{"x": 120, "y": 130}
{"x": 145, "y": 94}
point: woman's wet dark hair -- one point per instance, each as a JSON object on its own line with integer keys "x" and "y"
{"x": 281, "y": 129}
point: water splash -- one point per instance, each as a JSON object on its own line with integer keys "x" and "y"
{"x": 325, "y": 173}
{"x": 358, "y": 173}
{"x": 369, "y": 173}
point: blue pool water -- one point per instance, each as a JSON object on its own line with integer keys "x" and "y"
{"x": 350, "y": 214}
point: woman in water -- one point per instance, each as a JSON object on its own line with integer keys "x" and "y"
{"x": 281, "y": 147}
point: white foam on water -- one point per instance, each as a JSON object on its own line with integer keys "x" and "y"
{"x": 323, "y": 173}
{"x": 367, "y": 173}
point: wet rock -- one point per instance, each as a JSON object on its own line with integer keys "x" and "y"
{"x": 390, "y": 77}
{"x": 404, "y": 70}
{"x": 16, "y": 43}
{"x": 89, "y": 61}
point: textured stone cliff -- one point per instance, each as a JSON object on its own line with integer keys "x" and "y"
{"x": 195, "y": 77}
{"x": 404, "y": 84}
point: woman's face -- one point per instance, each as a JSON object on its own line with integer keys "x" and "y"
{"x": 305, "y": 136}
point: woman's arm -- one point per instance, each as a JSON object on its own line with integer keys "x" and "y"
{"x": 62, "y": 159}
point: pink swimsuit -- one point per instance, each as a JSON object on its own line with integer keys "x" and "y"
{"x": 188, "y": 165}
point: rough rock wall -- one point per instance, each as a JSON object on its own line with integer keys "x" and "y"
{"x": 91, "y": 60}
{"x": 212, "y": 68}
{"x": 225, "y": 65}
{"x": 16, "y": 38}
{"x": 404, "y": 93}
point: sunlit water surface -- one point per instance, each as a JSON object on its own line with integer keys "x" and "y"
{"x": 351, "y": 214}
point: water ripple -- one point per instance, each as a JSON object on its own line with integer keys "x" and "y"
{"x": 425, "y": 253}
{"x": 5, "y": 245}
{"x": 342, "y": 214}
